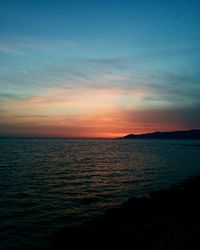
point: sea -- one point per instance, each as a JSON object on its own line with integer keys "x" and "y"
{"x": 47, "y": 184}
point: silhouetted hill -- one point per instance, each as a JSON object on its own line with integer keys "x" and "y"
{"x": 185, "y": 134}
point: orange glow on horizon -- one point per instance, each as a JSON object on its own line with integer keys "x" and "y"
{"x": 98, "y": 113}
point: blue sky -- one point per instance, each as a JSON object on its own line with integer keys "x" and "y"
{"x": 140, "y": 59}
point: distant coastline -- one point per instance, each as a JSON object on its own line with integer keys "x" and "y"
{"x": 193, "y": 134}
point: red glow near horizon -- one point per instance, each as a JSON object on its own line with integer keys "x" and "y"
{"x": 104, "y": 113}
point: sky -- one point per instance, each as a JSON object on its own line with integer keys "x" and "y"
{"x": 98, "y": 68}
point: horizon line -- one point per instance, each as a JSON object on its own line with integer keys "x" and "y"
{"x": 65, "y": 137}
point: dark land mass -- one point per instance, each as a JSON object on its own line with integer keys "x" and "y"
{"x": 185, "y": 134}
{"x": 164, "y": 220}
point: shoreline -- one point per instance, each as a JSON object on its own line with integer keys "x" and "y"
{"x": 166, "y": 219}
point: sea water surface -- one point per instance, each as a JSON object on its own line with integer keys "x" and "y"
{"x": 46, "y": 184}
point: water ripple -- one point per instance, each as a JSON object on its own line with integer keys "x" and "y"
{"x": 48, "y": 183}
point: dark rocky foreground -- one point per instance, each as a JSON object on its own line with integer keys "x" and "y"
{"x": 167, "y": 220}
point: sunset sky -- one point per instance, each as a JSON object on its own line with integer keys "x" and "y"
{"x": 98, "y": 68}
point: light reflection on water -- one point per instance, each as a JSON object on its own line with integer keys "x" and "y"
{"x": 48, "y": 183}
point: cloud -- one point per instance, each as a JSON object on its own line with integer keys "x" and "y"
{"x": 171, "y": 85}
{"x": 25, "y": 45}
{"x": 105, "y": 111}
{"x": 108, "y": 124}
{"x": 9, "y": 49}
{"x": 106, "y": 96}
{"x": 185, "y": 117}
